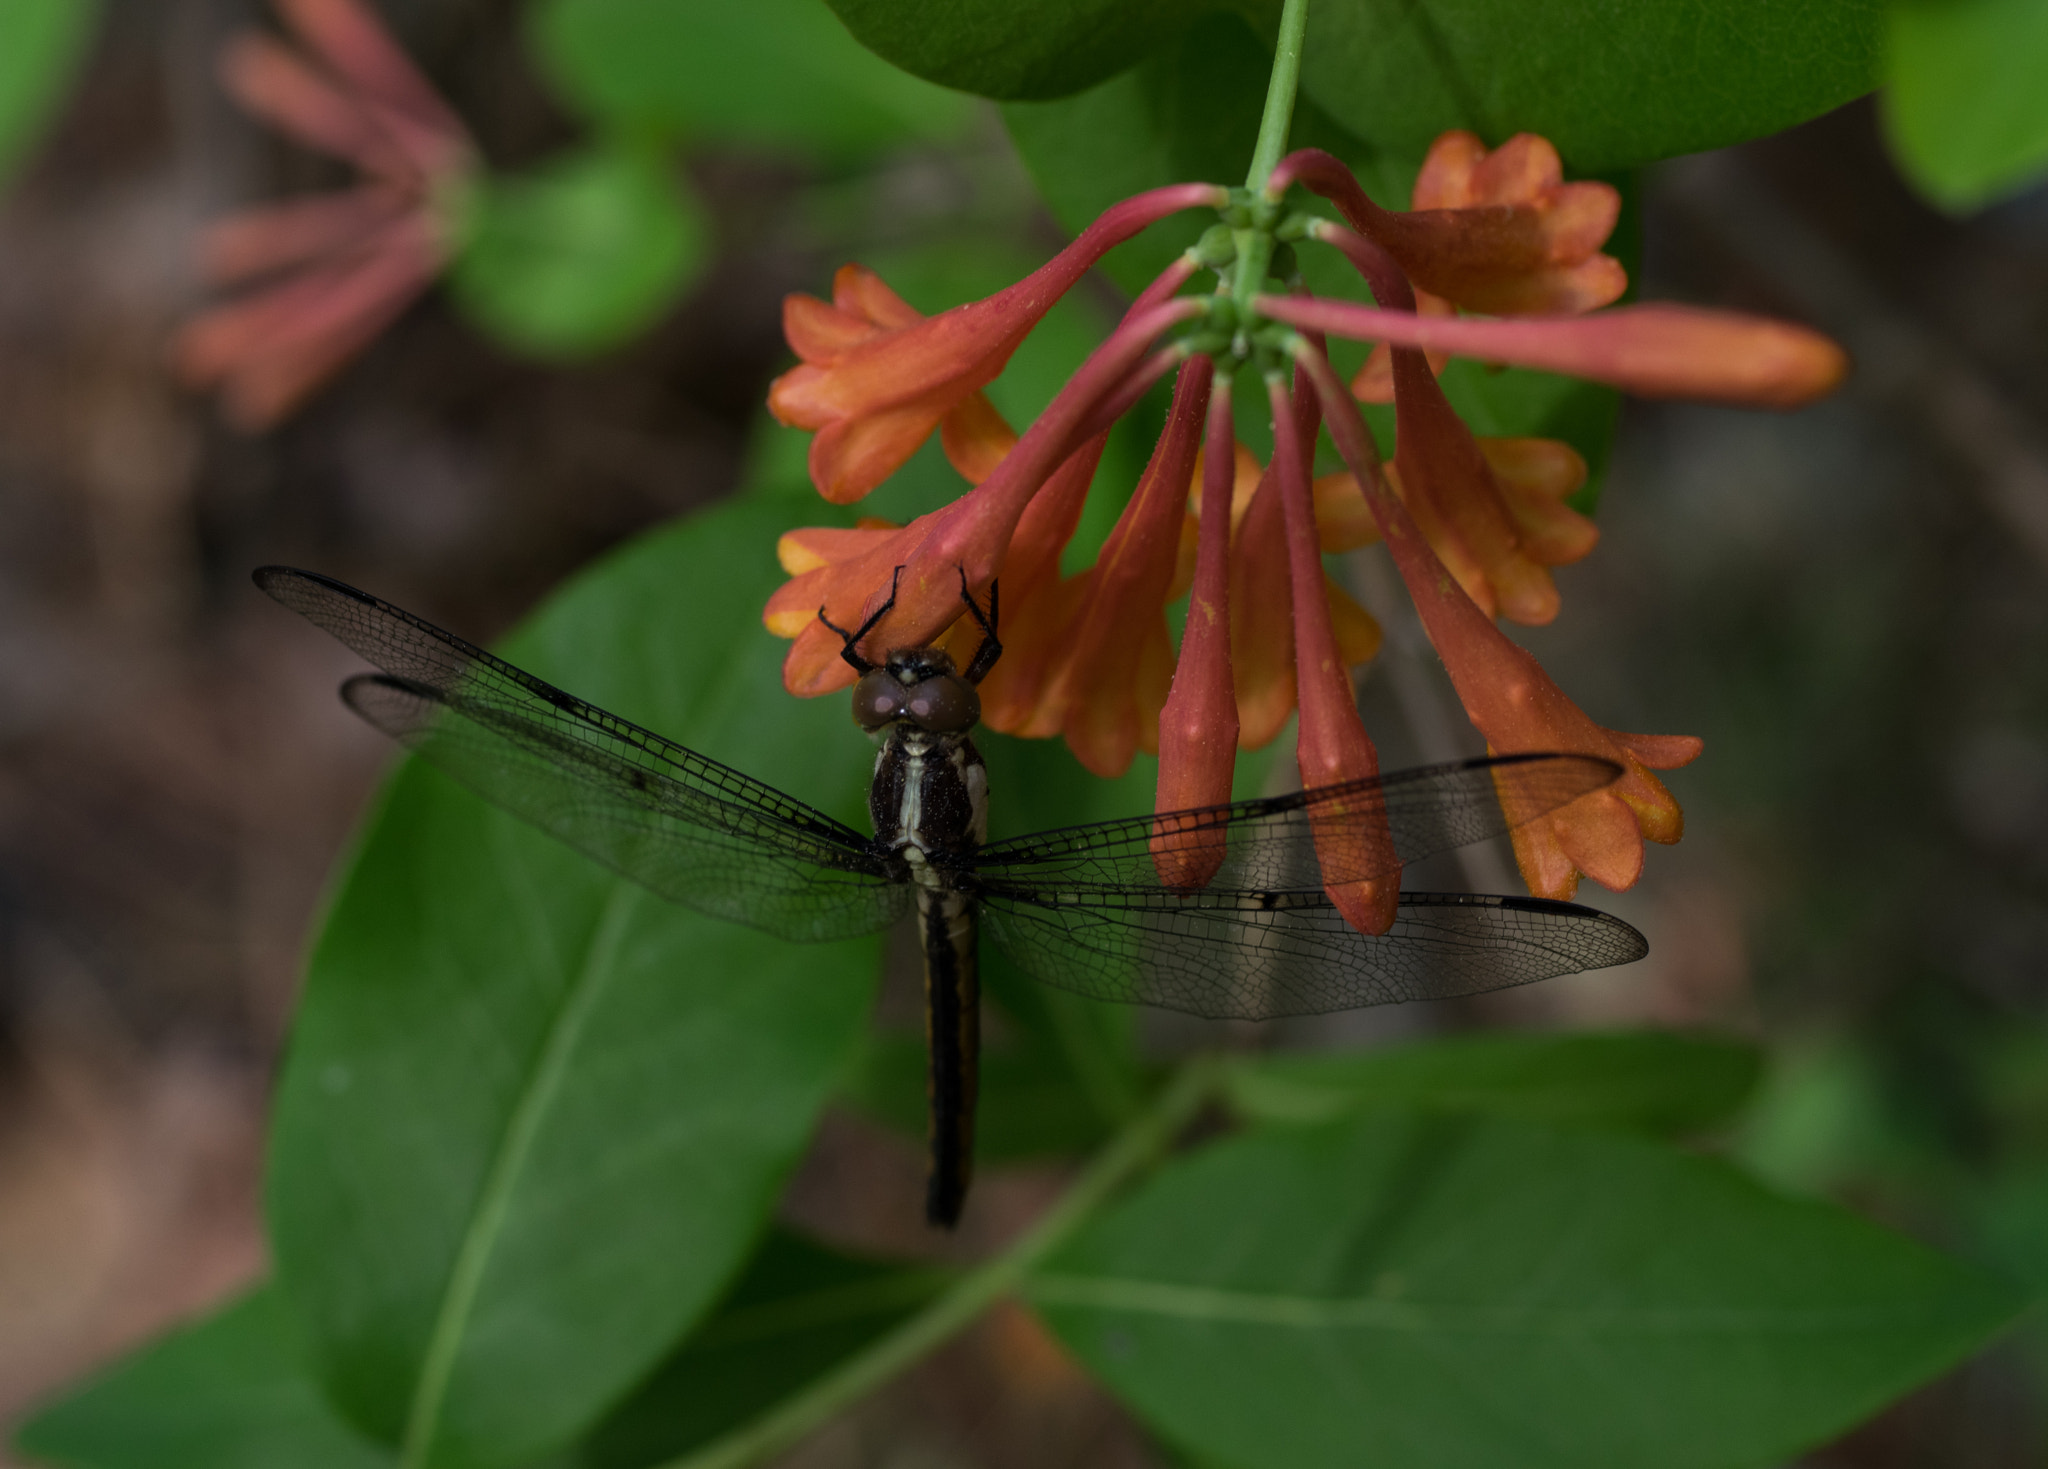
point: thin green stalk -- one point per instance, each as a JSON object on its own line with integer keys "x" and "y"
{"x": 1255, "y": 241}
{"x": 1131, "y": 1149}
{"x": 1280, "y": 89}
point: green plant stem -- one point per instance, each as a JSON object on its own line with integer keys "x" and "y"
{"x": 1280, "y": 89}
{"x": 1255, "y": 245}
{"x": 1130, "y": 1150}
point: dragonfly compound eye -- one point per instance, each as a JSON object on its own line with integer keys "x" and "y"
{"x": 946, "y": 704}
{"x": 878, "y": 699}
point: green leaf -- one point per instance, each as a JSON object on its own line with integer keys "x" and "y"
{"x": 998, "y": 48}
{"x": 1650, "y": 1080}
{"x": 1966, "y": 96}
{"x": 799, "y": 1310}
{"x": 580, "y": 255}
{"x": 1613, "y": 86}
{"x": 41, "y": 45}
{"x": 533, "y": 1117}
{"x": 1445, "y": 1292}
{"x": 228, "y": 1392}
{"x": 776, "y": 73}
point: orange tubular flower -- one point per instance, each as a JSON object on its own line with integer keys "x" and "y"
{"x": 1500, "y": 552}
{"x": 1198, "y": 728}
{"x": 342, "y": 266}
{"x": 1115, "y": 657}
{"x": 1331, "y": 745}
{"x": 876, "y": 378}
{"x": 1512, "y": 701}
{"x": 1261, "y": 590}
{"x": 1500, "y": 233}
{"x": 1473, "y": 525}
{"x": 970, "y": 536}
{"x": 1652, "y": 351}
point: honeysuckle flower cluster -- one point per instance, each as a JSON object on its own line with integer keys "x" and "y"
{"x": 322, "y": 276}
{"x": 1499, "y": 259}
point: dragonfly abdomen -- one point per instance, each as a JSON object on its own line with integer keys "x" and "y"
{"x": 952, "y": 993}
{"x": 930, "y": 804}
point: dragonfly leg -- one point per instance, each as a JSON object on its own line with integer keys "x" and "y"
{"x": 991, "y": 647}
{"x": 851, "y": 640}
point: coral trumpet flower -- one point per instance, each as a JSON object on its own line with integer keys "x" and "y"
{"x": 1473, "y": 525}
{"x": 330, "y": 272}
{"x": 1512, "y": 701}
{"x": 876, "y": 378}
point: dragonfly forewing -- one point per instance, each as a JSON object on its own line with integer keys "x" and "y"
{"x": 694, "y": 831}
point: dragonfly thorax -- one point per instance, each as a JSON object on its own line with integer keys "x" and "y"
{"x": 929, "y": 799}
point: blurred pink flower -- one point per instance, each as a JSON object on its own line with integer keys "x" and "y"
{"x": 326, "y": 274}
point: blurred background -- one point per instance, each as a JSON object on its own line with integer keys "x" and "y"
{"x": 1847, "y": 603}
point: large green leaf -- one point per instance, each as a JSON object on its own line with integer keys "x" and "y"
{"x": 1613, "y": 86}
{"x": 1441, "y": 1292}
{"x": 1966, "y": 96}
{"x": 777, "y": 73}
{"x": 41, "y": 43}
{"x": 799, "y": 1309}
{"x": 581, "y": 254}
{"x": 228, "y": 1392}
{"x": 1002, "y": 49}
{"x": 1652, "y": 1080}
{"x": 532, "y": 1116}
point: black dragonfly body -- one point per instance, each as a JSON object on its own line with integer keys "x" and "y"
{"x": 1083, "y": 908}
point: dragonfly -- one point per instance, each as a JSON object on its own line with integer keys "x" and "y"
{"x": 1236, "y": 923}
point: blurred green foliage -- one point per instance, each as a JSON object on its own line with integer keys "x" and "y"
{"x": 1965, "y": 103}
{"x": 41, "y": 45}
{"x": 581, "y": 254}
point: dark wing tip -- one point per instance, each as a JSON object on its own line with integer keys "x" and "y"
{"x": 272, "y": 580}
{"x": 1626, "y": 940}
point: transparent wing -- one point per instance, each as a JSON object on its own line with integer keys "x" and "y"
{"x": 690, "y": 829}
{"x": 1297, "y": 956}
{"x": 1301, "y": 841}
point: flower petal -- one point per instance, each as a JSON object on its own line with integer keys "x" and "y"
{"x": 1657, "y": 351}
{"x": 1510, "y": 699}
{"x": 1198, "y": 725}
{"x": 256, "y": 241}
{"x": 937, "y": 361}
{"x": 1104, "y": 706}
{"x": 1332, "y": 747}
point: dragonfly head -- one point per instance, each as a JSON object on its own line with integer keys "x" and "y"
{"x": 918, "y": 686}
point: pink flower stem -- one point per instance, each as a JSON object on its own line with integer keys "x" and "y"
{"x": 1322, "y": 173}
{"x": 994, "y": 505}
{"x": 1126, "y": 394}
{"x": 1165, "y": 284}
{"x": 1381, "y": 271}
{"x": 1198, "y": 728}
{"x": 1034, "y": 295}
